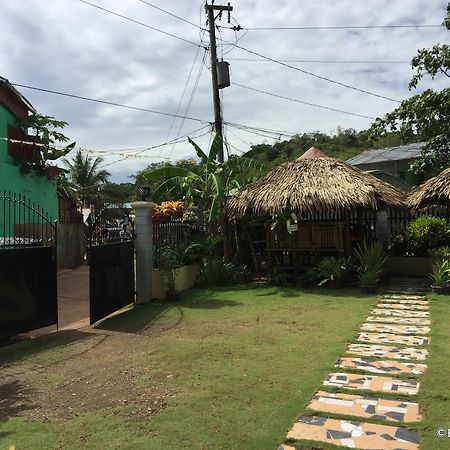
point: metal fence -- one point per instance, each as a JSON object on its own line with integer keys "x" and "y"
{"x": 23, "y": 223}
{"x": 173, "y": 234}
{"x": 399, "y": 219}
{"x": 28, "y": 297}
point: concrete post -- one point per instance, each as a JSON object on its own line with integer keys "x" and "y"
{"x": 143, "y": 228}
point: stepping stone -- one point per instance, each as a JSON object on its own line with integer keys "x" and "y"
{"x": 386, "y": 338}
{"x": 400, "y": 313}
{"x": 405, "y": 301}
{"x": 373, "y": 383}
{"x": 403, "y": 296}
{"x": 381, "y": 366}
{"x": 357, "y": 405}
{"x": 400, "y": 329}
{"x": 384, "y": 351}
{"x": 353, "y": 434}
{"x": 400, "y": 320}
{"x": 400, "y": 306}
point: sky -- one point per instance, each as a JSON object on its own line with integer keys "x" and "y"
{"x": 75, "y": 48}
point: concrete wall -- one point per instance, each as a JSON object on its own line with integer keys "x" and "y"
{"x": 37, "y": 188}
{"x": 408, "y": 265}
{"x": 184, "y": 279}
{"x": 70, "y": 245}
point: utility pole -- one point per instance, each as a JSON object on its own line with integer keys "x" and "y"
{"x": 210, "y": 9}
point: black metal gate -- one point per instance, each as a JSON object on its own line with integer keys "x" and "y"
{"x": 28, "y": 287}
{"x": 111, "y": 260}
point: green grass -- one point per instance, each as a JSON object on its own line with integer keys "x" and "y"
{"x": 243, "y": 361}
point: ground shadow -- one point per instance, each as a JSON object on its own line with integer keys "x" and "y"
{"x": 135, "y": 320}
{"x": 17, "y": 351}
{"x": 15, "y": 399}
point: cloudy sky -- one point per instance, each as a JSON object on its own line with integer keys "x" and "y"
{"x": 72, "y": 47}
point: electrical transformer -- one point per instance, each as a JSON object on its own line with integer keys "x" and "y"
{"x": 223, "y": 74}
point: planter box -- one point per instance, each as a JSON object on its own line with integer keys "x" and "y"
{"x": 408, "y": 265}
{"x": 184, "y": 279}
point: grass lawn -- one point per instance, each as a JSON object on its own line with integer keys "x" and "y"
{"x": 242, "y": 362}
{"x": 239, "y": 366}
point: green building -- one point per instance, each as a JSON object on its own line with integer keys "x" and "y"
{"x": 22, "y": 169}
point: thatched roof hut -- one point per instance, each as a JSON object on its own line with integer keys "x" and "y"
{"x": 314, "y": 186}
{"x": 433, "y": 192}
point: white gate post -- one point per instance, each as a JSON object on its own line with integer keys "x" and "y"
{"x": 143, "y": 228}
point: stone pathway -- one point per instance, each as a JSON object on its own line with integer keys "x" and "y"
{"x": 392, "y": 343}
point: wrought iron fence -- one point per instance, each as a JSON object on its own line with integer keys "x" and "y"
{"x": 23, "y": 223}
{"x": 173, "y": 234}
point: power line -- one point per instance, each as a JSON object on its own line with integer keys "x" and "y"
{"x": 105, "y": 102}
{"x": 259, "y": 131}
{"x": 139, "y": 23}
{"x": 184, "y": 92}
{"x": 249, "y": 51}
{"x": 150, "y": 148}
{"x": 306, "y": 72}
{"x": 303, "y": 102}
{"x": 338, "y": 27}
{"x": 321, "y": 61}
{"x": 191, "y": 97}
{"x": 172, "y": 14}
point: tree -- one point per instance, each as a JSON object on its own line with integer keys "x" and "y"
{"x": 425, "y": 116}
{"x": 85, "y": 175}
{"x": 210, "y": 185}
{"x": 47, "y": 129}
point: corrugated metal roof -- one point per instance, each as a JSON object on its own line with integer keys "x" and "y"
{"x": 7, "y": 84}
{"x": 409, "y": 151}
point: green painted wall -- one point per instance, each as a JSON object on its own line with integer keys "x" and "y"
{"x": 38, "y": 189}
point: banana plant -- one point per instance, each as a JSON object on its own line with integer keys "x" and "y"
{"x": 214, "y": 183}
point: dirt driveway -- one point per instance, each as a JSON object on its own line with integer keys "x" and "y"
{"x": 75, "y": 371}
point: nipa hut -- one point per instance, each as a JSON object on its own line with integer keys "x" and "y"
{"x": 433, "y": 192}
{"x": 335, "y": 204}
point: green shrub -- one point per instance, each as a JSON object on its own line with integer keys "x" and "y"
{"x": 332, "y": 268}
{"x": 277, "y": 277}
{"x": 370, "y": 258}
{"x": 217, "y": 272}
{"x": 425, "y": 233}
{"x": 440, "y": 276}
{"x": 440, "y": 253}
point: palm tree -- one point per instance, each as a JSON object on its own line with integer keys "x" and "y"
{"x": 85, "y": 175}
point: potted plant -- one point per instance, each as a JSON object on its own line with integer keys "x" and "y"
{"x": 440, "y": 276}
{"x": 370, "y": 259}
{"x": 368, "y": 278}
{"x": 332, "y": 270}
{"x": 168, "y": 262}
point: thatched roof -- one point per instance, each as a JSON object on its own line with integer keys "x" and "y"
{"x": 312, "y": 152}
{"x": 433, "y": 192}
{"x": 311, "y": 186}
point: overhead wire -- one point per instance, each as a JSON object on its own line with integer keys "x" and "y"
{"x": 303, "y": 102}
{"x": 330, "y": 80}
{"x": 139, "y": 23}
{"x": 109, "y": 103}
{"x": 321, "y": 61}
{"x": 191, "y": 98}
{"x": 183, "y": 93}
{"x": 334, "y": 27}
{"x": 172, "y": 14}
{"x": 306, "y": 72}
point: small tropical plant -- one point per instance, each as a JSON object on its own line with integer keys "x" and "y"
{"x": 333, "y": 268}
{"x": 218, "y": 272}
{"x": 440, "y": 253}
{"x": 168, "y": 262}
{"x": 370, "y": 259}
{"x": 440, "y": 276}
